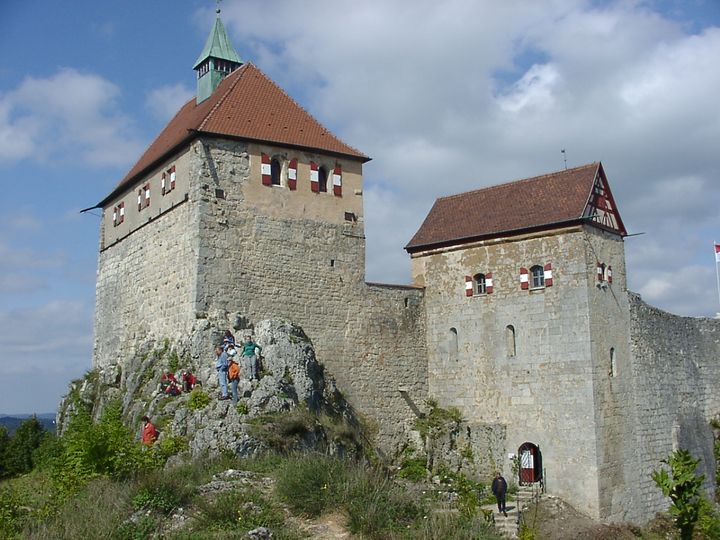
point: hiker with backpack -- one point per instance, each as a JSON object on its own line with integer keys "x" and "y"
{"x": 233, "y": 372}
{"x": 250, "y": 361}
{"x": 221, "y": 365}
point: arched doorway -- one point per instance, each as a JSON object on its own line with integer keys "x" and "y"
{"x": 530, "y": 463}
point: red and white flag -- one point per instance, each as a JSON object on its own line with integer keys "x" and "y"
{"x": 717, "y": 252}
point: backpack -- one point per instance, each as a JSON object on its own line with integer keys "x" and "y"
{"x": 233, "y": 371}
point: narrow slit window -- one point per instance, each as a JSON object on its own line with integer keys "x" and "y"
{"x": 275, "y": 170}
{"x": 510, "y": 343}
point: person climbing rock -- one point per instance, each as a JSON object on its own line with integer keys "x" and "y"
{"x": 149, "y": 433}
{"x": 250, "y": 360}
{"x": 221, "y": 365}
{"x": 499, "y": 489}
{"x": 233, "y": 372}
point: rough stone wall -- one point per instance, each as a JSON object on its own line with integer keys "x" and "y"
{"x": 271, "y": 252}
{"x": 675, "y": 371}
{"x": 544, "y": 392}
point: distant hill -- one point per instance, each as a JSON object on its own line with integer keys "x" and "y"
{"x": 12, "y": 422}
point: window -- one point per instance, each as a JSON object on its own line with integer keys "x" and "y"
{"x": 275, "y": 169}
{"x": 613, "y": 363}
{"x": 143, "y": 199}
{"x": 453, "y": 343}
{"x": 510, "y": 340}
{"x": 479, "y": 284}
{"x": 538, "y": 277}
{"x": 167, "y": 182}
{"x": 322, "y": 180}
{"x": 118, "y": 214}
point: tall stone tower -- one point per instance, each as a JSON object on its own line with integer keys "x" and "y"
{"x": 243, "y": 208}
{"x": 527, "y": 318}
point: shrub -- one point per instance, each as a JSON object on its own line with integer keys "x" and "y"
{"x": 437, "y": 421}
{"x": 199, "y": 399}
{"x": 683, "y": 486}
{"x": 242, "y": 407}
{"x": 21, "y": 446}
{"x": 413, "y": 468}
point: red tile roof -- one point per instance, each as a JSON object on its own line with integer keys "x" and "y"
{"x": 247, "y": 105}
{"x": 534, "y": 203}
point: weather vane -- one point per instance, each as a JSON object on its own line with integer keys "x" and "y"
{"x": 561, "y": 151}
{"x": 217, "y": 6}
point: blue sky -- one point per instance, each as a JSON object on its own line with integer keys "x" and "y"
{"x": 445, "y": 97}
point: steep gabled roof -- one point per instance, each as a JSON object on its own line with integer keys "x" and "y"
{"x": 561, "y": 198}
{"x": 246, "y": 105}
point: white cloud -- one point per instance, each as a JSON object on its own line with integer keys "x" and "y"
{"x": 69, "y": 112}
{"x": 165, "y": 101}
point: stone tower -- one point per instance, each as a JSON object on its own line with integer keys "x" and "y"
{"x": 243, "y": 208}
{"x": 528, "y": 318}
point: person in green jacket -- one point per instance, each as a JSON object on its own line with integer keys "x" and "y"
{"x": 250, "y": 361}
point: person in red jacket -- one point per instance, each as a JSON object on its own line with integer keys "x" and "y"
{"x": 149, "y": 433}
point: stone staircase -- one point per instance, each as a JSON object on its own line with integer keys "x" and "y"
{"x": 508, "y": 526}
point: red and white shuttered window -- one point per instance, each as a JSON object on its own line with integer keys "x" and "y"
{"x": 143, "y": 198}
{"x": 292, "y": 174}
{"x": 604, "y": 273}
{"x": 537, "y": 277}
{"x": 118, "y": 214}
{"x": 314, "y": 178}
{"x": 167, "y": 182}
{"x": 266, "y": 170}
{"x": 337, "y": 181}
{"x": 479, "y": 284}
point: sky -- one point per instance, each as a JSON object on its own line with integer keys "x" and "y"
{"x": 445, "y": 96}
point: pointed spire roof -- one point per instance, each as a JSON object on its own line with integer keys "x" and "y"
{"x": 247, "y": 106}
{"x": 572, "y": 196}
{"x": 218, "y": 45}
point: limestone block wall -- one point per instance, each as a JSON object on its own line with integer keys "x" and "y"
{"x": 675, "y": 372}
{"x": 541, "y": 387}
{"x": 146, "y": 286}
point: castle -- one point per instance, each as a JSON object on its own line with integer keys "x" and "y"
{"x": 245, "y": 207}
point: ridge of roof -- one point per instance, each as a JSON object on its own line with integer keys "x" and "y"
{"x": 521, "y": 181}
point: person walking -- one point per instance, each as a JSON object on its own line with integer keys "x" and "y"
{"x": 149, "y": 432}
{"x": 499, "y": 489}
{"x": 233, "y": 372}
{"x": 221, "y": 365}
{"x": 250, "y": 362}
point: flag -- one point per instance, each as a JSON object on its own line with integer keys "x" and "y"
{"x": 717, "y": 252}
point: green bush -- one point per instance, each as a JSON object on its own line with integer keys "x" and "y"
{"x": 242, "y": 407}
{"x": 413, "y": 468}
{"x": 437, "y": 420}
{"x": 18, "y": 458}
{"x": 199, "y": 399}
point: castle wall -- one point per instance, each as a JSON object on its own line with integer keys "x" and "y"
{"x": 675, "y": 371}
{"x": 267, "y": 251}
{"x": 544, "y": 392}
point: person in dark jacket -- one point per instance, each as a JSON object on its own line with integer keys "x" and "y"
{"x": 499, "y": 489}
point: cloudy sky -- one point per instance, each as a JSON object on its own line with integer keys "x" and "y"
{"x": 446, "y": 96}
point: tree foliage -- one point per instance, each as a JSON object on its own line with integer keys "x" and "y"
{"x": 683, "y": 486}
{"x": 19, "y": 449}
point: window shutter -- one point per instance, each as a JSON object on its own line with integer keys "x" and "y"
{"x": 265, "y": 170}
{"x": 468, "y": 286}
{"x": 337, "y": 181}
{"x": 139, "y": 200}
{"x": 488, "y": 283}
{"x": 599, "y": 272}
{"x": 147, "y": 196}
{"x": 314, "y": 180}
{"x": 524, "y": 278}
{"x": 115, "y": 216}
{"x": 162, "y": 184}
{"x": 547, "y": 274}
{"x": 609, "y": 274}
{"x": 172, "y": 177}
{"x": 292, "y": 174}
{"x": 122, "y": 212}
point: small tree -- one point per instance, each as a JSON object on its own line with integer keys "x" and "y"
{"x": 22, "y": 445}
{"x": 683, "y": 486}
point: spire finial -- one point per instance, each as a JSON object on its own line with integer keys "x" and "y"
{"x": 217, "y": 7}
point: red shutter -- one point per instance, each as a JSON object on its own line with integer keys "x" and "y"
{"x": 314, "y": 180}
{"x": 122, "y": 212}
{"x": 488, "y": 283}
{"x": 599, "y": 272}
{"x": 548, "y": 275}
{"x": 524, "y": 279}
{"x": 292, "y": 174}
{"x": 162, "y": 183}
{"x": 609, "y": 274}
{"x": 115, "y": 215}
{"x": 265, "y": 170}
{"x": 468, "y": 286}
{"x": 337, "y": 181}
{"x": 172, "y": 177}
{"x": 139, "y": 200}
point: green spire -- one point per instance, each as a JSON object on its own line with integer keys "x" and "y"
{"x": 217, "y": 59}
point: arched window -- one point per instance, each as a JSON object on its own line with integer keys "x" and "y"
{"x": 275, "y": 169}
{"x": 613, "y": 363}
{"x": 510, "y": 340}
{"x": 538, "y": 276}
{"x": 479, "y": 284}
{"x": 453, "y": 343}
{"x": 322, "y": 180}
